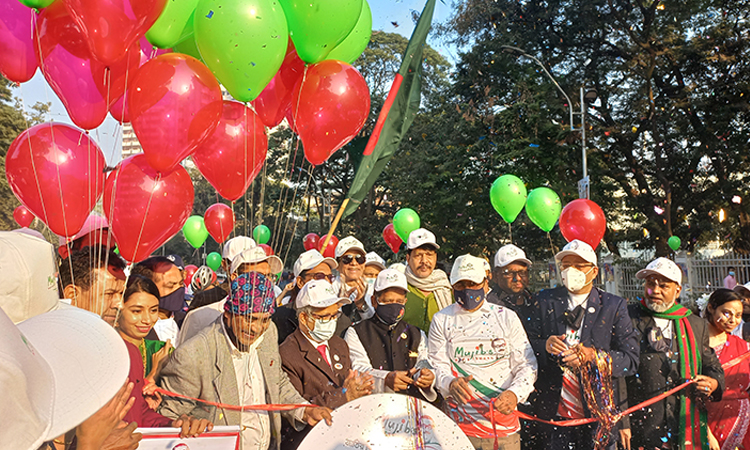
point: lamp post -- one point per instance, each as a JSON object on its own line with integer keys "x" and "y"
{"x": 587, "y": 97}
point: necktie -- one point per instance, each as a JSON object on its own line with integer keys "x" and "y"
{"x": 322, "y": 351}
{"x": 574, "y": 318}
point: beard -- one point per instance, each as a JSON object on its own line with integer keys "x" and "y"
{"x": 658, "y": 307}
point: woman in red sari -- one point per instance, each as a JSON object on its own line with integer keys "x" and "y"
{"x": 728, "y": 419}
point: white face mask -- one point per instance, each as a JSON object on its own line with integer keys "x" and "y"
{"x": 322, "y": 332}
{"x": 370, "y": 281}
{"x": 574, "y": 279}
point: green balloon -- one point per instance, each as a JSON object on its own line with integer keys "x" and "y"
{"x": 243, "y": 42}
{"x": 188, "y": 47}
{"x": 405, "y": 221}
{"x": 543, "y": 208}
{"x": 213, "y": 260}
{"x": 356, "y": 42}
{"x": 508, "y": 195}
{"x": 38, "y": 4}
{"x": 168, "y": 29}
{"x": 674, "y": 243}
{"x": 195, "y": 231}
{"x": 261, "y": 234}
{"x": 318, "y": 26}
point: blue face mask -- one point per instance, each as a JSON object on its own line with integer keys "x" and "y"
{"x": 469, "y": 299}
{"x": 731, "y": 273}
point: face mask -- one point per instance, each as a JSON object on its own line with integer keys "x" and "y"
{"x": 370, "y": 281}
{"x": 322, "y": 332}
{"x": 390, "y": 313}
{"x": 731, "y": 273}
{"x": 574, "y": 279}
{"x": 469, "y": 299}
{"x": 174, "y": 301}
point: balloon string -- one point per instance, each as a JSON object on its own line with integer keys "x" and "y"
{"x": 554, "y": 252}
{"x": 145, "y": 214}
{"x": 291, "y": 205}
{"x": 285, "y": 191}
{"x": 510, "y": 232}
{"x": 296, "y": 222}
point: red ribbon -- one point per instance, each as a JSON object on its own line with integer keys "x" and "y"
{"x": 265, "y": 407}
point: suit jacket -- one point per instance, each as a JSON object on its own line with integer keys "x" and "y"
{"x": 318, "y": 382}
{"x": 658, "y": 372}
{"x": 606, "y": 326}
{"x": 202, "y": 368}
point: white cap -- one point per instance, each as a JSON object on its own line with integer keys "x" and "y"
{"x": 401, "y": 267}
{"x": 319, "y": 294}
{"x": 235, "y": 246}
{"x": 373, "y": 259}
{"x": 310, "y": 259}
{"x": 467, "y": 267}
{"x": 420, "y": 237}
{"x": 487, "y": 266}
{"x": 56, "y": 370}
{"x": 29, "y": 272}
{"x": 390, "y": 278}
{"x": 510, "y": 254}
{"x": 93, "y": 222}
{"x": 349, "y": 243}
{"x": 579, "y": 248}
{"x": 664, "y": 267}
{"x": 255, "y": 255}
{"x": 742, "y": 289}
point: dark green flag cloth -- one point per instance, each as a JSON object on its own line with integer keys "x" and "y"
{"x": 396, "y": 116}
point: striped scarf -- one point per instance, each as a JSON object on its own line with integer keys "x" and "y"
{"x": 692, "y": 431}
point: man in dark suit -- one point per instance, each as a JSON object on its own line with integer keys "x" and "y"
{"x": 315, "y": 359}
{"x": 569, "y": 325}
{"x": 670, "y": 334}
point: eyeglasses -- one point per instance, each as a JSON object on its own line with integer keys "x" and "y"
{"x": 319, "y": 276}
{"x": 347, "y": 259}
{"x": 582, "y": 267}
{"x": 662, "y": 285}
{"x": 512, "y": 274}
{"x": 326, "y": 319}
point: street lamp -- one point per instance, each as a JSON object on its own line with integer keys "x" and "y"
{"x": 587, "y": 98}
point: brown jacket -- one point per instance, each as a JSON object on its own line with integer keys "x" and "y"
{"x": 319, "y": 383}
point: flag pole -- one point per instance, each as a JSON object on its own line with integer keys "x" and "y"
{"x": 334, "y": 224}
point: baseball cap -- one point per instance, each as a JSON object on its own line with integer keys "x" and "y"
{"x": 401, "y": 267}
{"x": 742, "y": 289}
{"x": 256, "y": 255}
{"x": 310, "y": 259}
{"x": 420, "y": 237}
{"x": 510, "y": 254}
{"x": 177, "y": 261}
{"x": 664, "y": 267}
{"x": 93, "y": 222}
{"x": 29, "y": 272}
{"x": 579, "y": 248}
{"x": 56, "y": 370}
{"x": 319, "y": 294}
{"x": 235, "y": 246}
{"x": 390, "y": 278}
{"x": 467, "y": 267}
{"x": 349, "y": 243}
{"x": 373, "y": 259}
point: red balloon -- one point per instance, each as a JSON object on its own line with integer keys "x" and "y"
{"x": 584, "y": 220}
{"x": 392, "y": 238}
{"x": 23, "y": 216}
{"x": 276, "y": 98}
{"x": 85, "y": 86}
{"x": 234, "y": 153}
{"x": 266, "y": 248}
{"x": 189, "y": 272}
{"x": 219, "y": 220}
{"x": 111, "y": 26}
{"x": 57, "y": 171}
{"x": 174, "y": 104}
{"x": 145, "y": 208}
{"x": 331, "y": 249}
{"x": 18, "y": 61}
{"x": 330, "y": 106}
{"x": 310, "y": 241}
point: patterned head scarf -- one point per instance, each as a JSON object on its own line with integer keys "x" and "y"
{"x": 250, "y": 293}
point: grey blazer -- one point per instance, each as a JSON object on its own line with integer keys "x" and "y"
{"x": 202, "y": 368}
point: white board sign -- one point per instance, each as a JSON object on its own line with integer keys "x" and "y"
{"x": 220, "y": 438}
{"x": 387, "y": 422}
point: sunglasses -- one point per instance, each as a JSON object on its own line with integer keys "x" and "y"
{"x": 320, "y": 276}
{"x": 347, "y": 259}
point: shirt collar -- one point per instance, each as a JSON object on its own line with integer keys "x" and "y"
{"x": 232, "y": 348}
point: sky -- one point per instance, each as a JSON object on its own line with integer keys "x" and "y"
{"x": 392, "y": 16}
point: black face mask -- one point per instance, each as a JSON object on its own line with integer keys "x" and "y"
{"x": 390, "y": 313}
{"x": 469, "y": 299}
{"x": 174, "y": 301}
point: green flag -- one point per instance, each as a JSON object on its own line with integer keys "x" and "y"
{"x": 396, "y": 116}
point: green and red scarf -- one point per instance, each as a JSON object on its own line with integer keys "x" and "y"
{"x": 692, "y": 426}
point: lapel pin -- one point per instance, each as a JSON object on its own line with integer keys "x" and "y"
{"x": 338, "y": 366}
{"x": 591, "y": 310}
{"x": 336, "y": 357}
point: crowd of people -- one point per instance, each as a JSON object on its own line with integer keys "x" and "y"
{"x": 475, "y": 342}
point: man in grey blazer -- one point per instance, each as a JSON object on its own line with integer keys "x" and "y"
{"x": 236, "y": 361}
